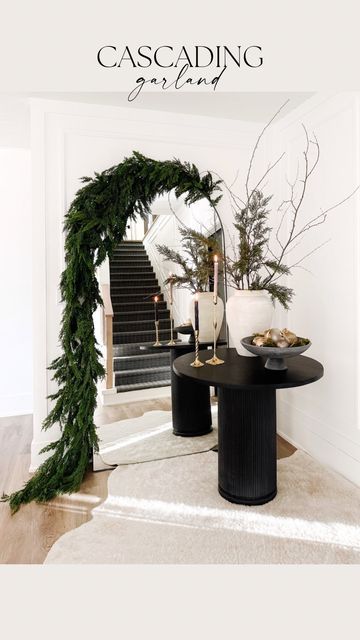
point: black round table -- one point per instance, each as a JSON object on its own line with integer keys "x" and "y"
{"x": 247, "y": 418}
{"x": 190, "y": 405}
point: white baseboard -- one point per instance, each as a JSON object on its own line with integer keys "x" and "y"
{"x": 107, "y": 398}
{"x": 302, "y": 431}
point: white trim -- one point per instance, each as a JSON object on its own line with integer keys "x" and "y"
{"x": 40, "y": 364}
{"x": 134, "y": 396}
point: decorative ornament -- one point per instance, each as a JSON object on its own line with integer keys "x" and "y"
{"x": 281, "y": 338}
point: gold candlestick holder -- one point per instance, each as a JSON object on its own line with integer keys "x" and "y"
{"x": 157, "y": 342}
{"x": 197, "y": 362}
{"x": 171, "y": 341}
{"x": 214, "y": 360}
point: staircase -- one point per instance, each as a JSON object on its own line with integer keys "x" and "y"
{"x": 133, "y": 286}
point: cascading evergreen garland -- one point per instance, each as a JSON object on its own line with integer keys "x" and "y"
{"x": 94, "y": 225}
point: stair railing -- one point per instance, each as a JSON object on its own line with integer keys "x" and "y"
{"x": 108, "y": 315}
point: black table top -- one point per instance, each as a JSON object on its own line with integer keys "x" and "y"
{"x": 242, "y": 372}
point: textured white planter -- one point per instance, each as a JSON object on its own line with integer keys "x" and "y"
{"x": 206, "y": 310}
{"x": 248, "y": 312}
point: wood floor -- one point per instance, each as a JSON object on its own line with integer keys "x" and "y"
{"x": 26, "y": 537}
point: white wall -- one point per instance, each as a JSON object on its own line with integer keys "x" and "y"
{"x": 323, "y": 418}
{"x": 16, "y": 368}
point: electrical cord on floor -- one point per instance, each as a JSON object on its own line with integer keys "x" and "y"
{"x": 180, "y": 455}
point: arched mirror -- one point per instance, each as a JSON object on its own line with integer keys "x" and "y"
{"x": 142, "y": 292}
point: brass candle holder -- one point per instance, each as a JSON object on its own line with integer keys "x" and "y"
{"x": 214, "y": 360}
{"x": 157, "y": 342}
{"x": 197, "y": 362}
{"x": 171, "y": 341}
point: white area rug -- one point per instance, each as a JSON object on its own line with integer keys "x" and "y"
{"x": 170, "y": 512}
{"x": 146, "y": 438}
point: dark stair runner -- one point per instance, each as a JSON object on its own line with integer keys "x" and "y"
{"x": 133, "y": 286}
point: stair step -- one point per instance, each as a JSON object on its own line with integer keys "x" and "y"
{"x": 136, "y": 251}
{"x": 130, "y": 245}
{"x": 131, "y": 275}
{"x": 137, "y": 276}
{"x": 135, "y": 265}
{"x": 127, "y": 244}
{"x": 123, "y": 306}
{"x": 142, "y": 375}
{"x": 143, "y": 361}
{"x": 138, "y": 316}
{"x": 128, "y": 241}
{"x": 128, "y": 251}
{"x": 134, "y": 271}
{"x": 140, "y": 325}
{"x": 118, "y": 258}
{"x": 134, "y": 285}
{"x": 126, "y": 337}
{"x": 144, "y": 290}
{"x": 138, "y": 268}
{"x": 123, "y": 266}
{"x": 138, "y": 287}
{"x": 146, "y": 299}
{"x": 136, "y": 349}
{"x": 143, "y": 385}
{"x": 143, "y": 259}
{"x": 134, "y": 246}
{"x": 147, "y": 370}
{"x": 118, "y": 298}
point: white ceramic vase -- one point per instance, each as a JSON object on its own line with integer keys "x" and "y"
{"x": 248, "y": 312}
{"x": 206, "y": 311}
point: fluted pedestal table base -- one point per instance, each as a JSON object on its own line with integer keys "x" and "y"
{"x": 247, "y": 445}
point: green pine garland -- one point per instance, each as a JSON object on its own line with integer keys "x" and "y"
{"x": 94, "y": 225}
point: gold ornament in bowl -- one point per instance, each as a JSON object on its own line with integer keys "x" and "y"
{"x": 281, "y": 338}
{"x": 276, "y": 345}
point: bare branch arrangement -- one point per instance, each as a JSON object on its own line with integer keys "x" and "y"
{"x": 196, "y": 260}
{"x": 255, "y": 264}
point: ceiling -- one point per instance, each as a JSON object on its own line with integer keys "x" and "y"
{"x": 256, "y": 107}
{"x": 251, "y": 107}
